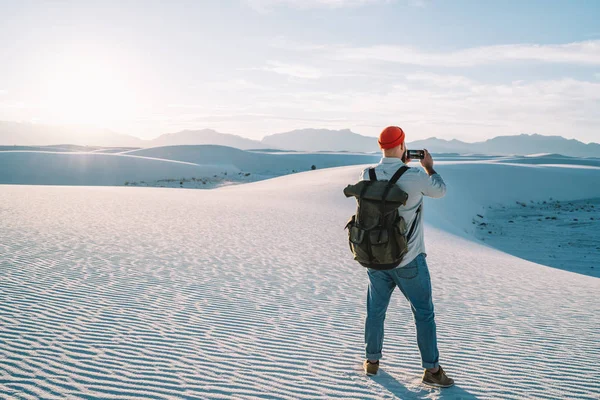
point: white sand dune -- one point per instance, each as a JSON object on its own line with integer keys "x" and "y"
{"x": 477, "y": 191}
{"x": 52, "y": 168}
{"x": 249, "y": 291}
{"x": 474, "y": 186}
{"x": 210, "y": 166}
{"x": 277, "y": 163}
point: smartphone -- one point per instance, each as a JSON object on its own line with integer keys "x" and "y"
{"x": 415, "y": 154}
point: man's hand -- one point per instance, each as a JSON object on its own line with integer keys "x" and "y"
{"x": 427, "y": 163}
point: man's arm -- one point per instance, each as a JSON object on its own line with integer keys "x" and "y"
{"x": 430, "y": 171}
{"x": 433, "y": 185}
{"x": 364, "y": 176}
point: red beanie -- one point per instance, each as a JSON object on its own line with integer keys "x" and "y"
{"x": 391, "y": 137}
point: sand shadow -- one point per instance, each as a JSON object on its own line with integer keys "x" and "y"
{"x": 402, "y": 392}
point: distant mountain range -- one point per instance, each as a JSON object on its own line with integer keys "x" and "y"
{"x": 204, "y": 136}
{"x": 346, "y": 140}
{"x": 26, "y": 134}
{"x": 12, "y": 133}
{"x": 512, "y": 145}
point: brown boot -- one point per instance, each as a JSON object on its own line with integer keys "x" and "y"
{"x": 439, "y": 379}
{"x": 371, "y": 368}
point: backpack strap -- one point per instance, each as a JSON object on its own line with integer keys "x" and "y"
{"x": 359, "y": 201}
{"x": 372, "y": 174}
{"x": 391, "y": 183}
{"x": 398, "y": 174}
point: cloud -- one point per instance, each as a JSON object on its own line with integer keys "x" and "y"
{"x": 425, "y": 104}
{"x": 293, "y": 70}
{"x": 579, "y": 53}
{"x": 2, "y": 92}
{"x": 443, "y": 81}
{"x": 284, "y": 43}
{"x": 445, "y": 105}
{"x": 244, "y": 117}
{"x": 229, "y": 85}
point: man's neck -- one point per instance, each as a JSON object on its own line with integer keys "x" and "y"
{"x": 392, "y": 158}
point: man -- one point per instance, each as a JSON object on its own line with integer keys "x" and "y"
{"x": 411, "y": 276}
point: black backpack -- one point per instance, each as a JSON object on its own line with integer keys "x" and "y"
{"x": 377, "y": 234}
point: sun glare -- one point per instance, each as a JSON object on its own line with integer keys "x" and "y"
{"x": 87, "y": 91}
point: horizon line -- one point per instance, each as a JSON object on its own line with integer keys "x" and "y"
{"x": 107, "y": 130}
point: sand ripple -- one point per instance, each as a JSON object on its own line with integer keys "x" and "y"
{"x": 121, "y": 293}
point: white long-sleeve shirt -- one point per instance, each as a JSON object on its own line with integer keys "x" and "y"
{"x": 417, "y": 184}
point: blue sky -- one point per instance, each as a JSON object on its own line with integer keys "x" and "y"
{"x": 469, "y": 70}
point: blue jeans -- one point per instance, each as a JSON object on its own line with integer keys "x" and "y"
{"x": 414, "y": 282}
